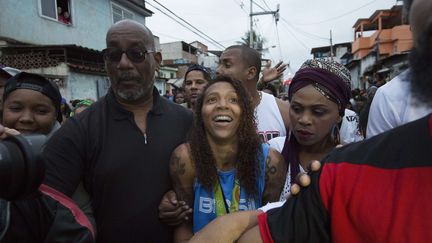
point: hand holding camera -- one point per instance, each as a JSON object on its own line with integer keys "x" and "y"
{"x": 21, "y": 165}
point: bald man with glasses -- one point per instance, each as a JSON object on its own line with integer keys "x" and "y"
{"x": 121, "y": 145}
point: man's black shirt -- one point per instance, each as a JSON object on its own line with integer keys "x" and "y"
{"x": 125, "y": 172}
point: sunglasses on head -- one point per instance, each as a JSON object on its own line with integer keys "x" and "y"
{"x": 133, "y": 54}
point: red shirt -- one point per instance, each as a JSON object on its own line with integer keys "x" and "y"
{"x": 378, "y": 190}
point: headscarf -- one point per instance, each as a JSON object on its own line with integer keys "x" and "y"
{"x": 332, "y": 80}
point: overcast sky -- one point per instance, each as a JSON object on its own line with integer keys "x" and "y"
{"x": 303, "y": 24}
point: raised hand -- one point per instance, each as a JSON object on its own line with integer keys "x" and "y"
{"x": 272, "y": 73}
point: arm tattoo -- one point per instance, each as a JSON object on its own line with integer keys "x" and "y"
{"x": 270, "y": 169}
{"x": 275, "y": 178}
{"x": 179, "y": 167}
{"x": 178, "y": 170}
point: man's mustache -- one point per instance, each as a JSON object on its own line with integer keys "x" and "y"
{"x": 127, "y": 77}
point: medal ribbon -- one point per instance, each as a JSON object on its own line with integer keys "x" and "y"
{"x": 220, "y": 201}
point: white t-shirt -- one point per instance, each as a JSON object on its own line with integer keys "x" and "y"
{"x": 269, "y": 119}
{"x": 393, "y": 105}
{"x": 349, "y": 131}
{"x": 277, "y": 143}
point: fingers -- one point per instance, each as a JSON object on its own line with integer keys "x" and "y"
{"x": 283, "y": 68}
{"x": 177, "y": 216}
{"x": 172, "y": 196}
{"x": 7, "y": 132}
{"x": 339, "y": 146}
{"x": 11, "y": 132}
{"x": 303, "y": 179}
{"x": 185, "y": 214}
{"x": 295, "y": 189}
{"x": 314, "y": 165}
{"x": 169, "y": 210}
{"x": 278, "y": 64}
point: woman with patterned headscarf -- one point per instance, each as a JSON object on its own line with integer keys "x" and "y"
{"x": 318, "y": 95}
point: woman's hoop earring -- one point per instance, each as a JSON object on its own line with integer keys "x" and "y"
{"x": 335, "y": 134}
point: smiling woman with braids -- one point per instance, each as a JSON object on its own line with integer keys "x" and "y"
{"x": 224, "y": 168}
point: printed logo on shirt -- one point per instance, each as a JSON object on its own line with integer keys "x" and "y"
{"x": 267, "y": 135}
{"x": 207, "y": 205}
{"x": 352, "y": 118}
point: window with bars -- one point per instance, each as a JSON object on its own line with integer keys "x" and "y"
{"x": 120, "y": 13}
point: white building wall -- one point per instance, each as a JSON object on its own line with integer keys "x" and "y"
{"x": 22, "y": 20}
{"x": 171, "y": 51}
{"x": 83, "y": 86}
{"x": 355, "y": 77}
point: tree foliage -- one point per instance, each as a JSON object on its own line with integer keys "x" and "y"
{"x": 257, "y": 40}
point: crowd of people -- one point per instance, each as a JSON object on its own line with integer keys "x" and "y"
{"x": 226, "y": 160}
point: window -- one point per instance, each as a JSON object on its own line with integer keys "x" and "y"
{"x": 120, "y": 13}
{"x": 59, "y": 10}
{"x": 48, "y": 8}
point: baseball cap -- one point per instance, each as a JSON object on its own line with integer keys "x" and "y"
{"x": 38, "y": 83}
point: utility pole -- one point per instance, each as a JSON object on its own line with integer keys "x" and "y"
{"x": 251, "y": 26}
{"x": 331, "y": 45}
{"x": 274, "y": 13}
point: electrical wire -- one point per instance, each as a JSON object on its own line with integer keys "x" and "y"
{"x": 304, "y": 33}
{"x": 104, "y": 14}
{"x": 299, "y": 41}
{"x": 212, "y": 40}
{"x": 176, "y": 21}
{"x": 169, "y": 36}
{"x": 307, "y": 34}
{"x": 339, "y": 16}
{"x": 193, "y": 31}
{"x": 268, "y": 8}
{"x": 259, "y": 5}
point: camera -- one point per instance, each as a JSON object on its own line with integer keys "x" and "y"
{"x": 21, "y": 166}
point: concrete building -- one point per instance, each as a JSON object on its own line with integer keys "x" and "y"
{"x": 180, "y": 55}
{"x": 169, "y": 80}
{"x": 35, "y": 38}
{"x": 382, "y": 44}
{"x": 380, "y": 48}
{"x": 339, "y": 50}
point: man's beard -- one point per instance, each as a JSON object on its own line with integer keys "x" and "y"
{"x": 130, "y": 95}
{"x": 421, "y": 69}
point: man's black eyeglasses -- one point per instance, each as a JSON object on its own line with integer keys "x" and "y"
{"x": 115, "y": 54}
